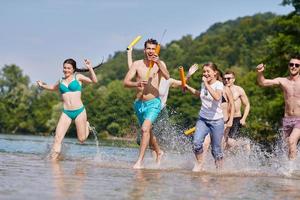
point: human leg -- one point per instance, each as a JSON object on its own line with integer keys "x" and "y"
{"x": 198, "y": 140}
{"x": 81, "y": 126}
{"x": 155, "y": 147}
{"x": 144, "y": 143}
{"x": 216, "y": 135}
{"x": 206, "y": 143}
{"x": 226, "y": 138}
{"x": 233, "y": 133}
{"x": 291, "y": 129}
{"x": 292, "y": 143}
{"x": 156, "y": 132}
{"x": 138, "y": 109}
{"x": 147, "y": 112}
{"x": 201, "y": 157}
{"x": 60, "y": 132}
{"x": 152, "y": 113}
{"x": 87, "y": 130}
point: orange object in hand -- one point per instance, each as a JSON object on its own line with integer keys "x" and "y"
{"x": 157, "y": 50}
{"x": 182, "y": 78}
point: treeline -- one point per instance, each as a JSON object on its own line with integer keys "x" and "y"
{"x": 239, "y": 45}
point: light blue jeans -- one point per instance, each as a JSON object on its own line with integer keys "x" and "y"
{"x": 216, "y": 130}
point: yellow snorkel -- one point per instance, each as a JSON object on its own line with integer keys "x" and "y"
{"x": 190, "y": 131}
{"x": 136, "y": 40}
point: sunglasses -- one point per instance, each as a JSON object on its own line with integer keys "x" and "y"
{"x": 294, "y": 64}
{"x": 228, "y": 78}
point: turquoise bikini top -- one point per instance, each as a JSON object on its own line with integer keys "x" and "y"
{"x": 73, "y": 86}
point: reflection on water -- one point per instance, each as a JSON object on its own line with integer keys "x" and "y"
{"x": 84, "y": 174}
{"x": 141, "y": 182}
{"x": 68, "y": 182}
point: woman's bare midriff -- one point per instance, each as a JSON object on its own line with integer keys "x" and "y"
{"x": 72, "y": 100}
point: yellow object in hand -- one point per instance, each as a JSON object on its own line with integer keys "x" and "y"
{"x": 136, "y": 40}
{"x": 190, "y": 131}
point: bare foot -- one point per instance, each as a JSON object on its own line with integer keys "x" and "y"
{"x": 159, "y": 156}
{"x": 197, "y": 167}
{"x": 219, "y": 164}
{"x": 54, "y": 156}
{"x": 292, "y": 157}
{"x": 247, "y": 148}
{"x": 138, "y": 165}
{"x": 226, "y": 146}
{"x": 154, "y": 155}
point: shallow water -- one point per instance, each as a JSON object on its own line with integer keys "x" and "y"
{"x": 105, "y": 173}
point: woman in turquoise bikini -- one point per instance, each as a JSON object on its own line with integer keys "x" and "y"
{"x": 73, "y": 108}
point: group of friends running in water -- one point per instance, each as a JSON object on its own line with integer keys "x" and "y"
{"x": 220, "y": 117}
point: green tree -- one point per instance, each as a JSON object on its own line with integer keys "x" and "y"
{"x": 43, "y": 110}
{"x": 113, "y": 110}
{"x": 16, "y": 99}
{"x": 238, "y": 44}
{"x": 10, "y": 77}
{"x": 295, "y": 3}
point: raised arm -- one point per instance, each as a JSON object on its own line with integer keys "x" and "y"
{"x": 191, "y": 71}
{"x": 92, "y": 78}
{"x": 129, "y": 57}
{"x": 261, "y": 79}
{"x": 162, "y": 66}
{"x": 47, "y": 87}
{"x": 246, "y": 103}
{"x": 163, "y": 69}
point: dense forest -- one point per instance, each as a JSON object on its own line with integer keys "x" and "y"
{"x": 239, "y": 45}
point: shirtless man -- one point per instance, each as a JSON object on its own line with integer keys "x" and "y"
{"x": 148, "y": 104}
{"x": 162, "y": 119}
{"x": 291, "y": 91}
{"x": 240, "y": 99}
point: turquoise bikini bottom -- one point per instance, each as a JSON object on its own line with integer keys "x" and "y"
{"x": 73, "y": 113}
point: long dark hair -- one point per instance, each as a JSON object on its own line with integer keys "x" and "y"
{"x": 73, "y": 63}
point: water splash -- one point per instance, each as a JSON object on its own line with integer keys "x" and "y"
{"x": 256, "y": 161}
{"x": 247, "y": 157}
{"x": 169, "y": 134}
{"x": 94, "y": 131}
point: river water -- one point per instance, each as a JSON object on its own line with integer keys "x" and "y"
{"x": 88, "y": 172}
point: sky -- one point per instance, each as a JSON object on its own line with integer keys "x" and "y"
{"x": 38, "y": 35}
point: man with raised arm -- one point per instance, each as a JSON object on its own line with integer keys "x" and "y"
{"x": 291, "y": 91}
{"x": 148, "y": 104}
